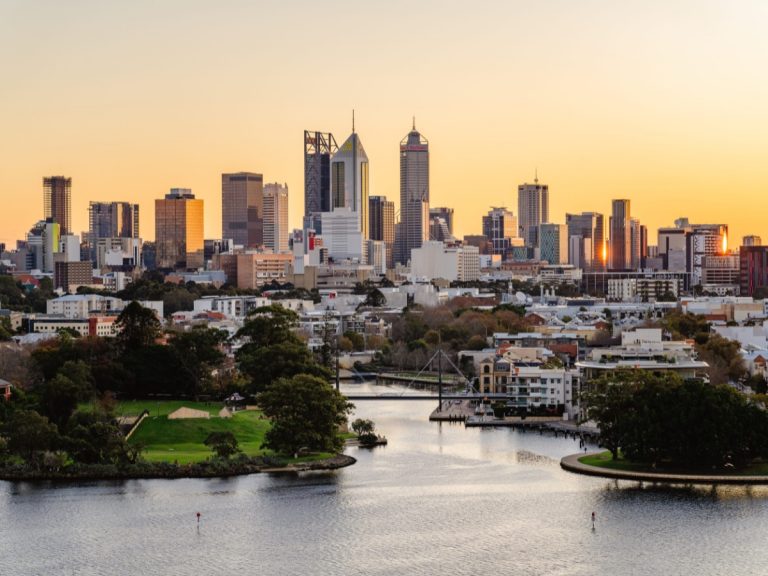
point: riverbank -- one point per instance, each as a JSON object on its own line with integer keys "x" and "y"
{"x": 155, "y": 470}
{"x": 573, "y": 463}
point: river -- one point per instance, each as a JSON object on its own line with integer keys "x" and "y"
{"x": 439, "y": 499}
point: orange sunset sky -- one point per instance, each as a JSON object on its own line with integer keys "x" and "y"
{"x": 662, "y": 102}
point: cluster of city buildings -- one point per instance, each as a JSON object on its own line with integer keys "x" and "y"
{"x": 348, "y": 236}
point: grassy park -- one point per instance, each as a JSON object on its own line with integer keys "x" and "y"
{"x": 181, "y": 441}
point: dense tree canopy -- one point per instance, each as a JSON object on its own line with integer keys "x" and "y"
{"x": 663, "y": 420}
{"x": 306, "y": 413}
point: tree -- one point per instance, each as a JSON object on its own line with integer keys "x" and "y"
{"x": 661, "y": 419}
{"x": 273, "y": 350}
{"x": 199, "y": 350}
{"x": 306, "y": 413}
{"x": 375, "y": 298}
{"x": 365, "y": 430}
{"x": 724, "y": 358}
{"x": 30, "y": 434}
{"x": 138, "y": 326}
{"x": 224, "y": 444}
{"x": 61, "y": 395}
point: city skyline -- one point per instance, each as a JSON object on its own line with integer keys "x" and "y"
{"x": 652, "y": 119}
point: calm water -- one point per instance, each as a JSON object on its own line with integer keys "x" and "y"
{"x": 440, "y": 499}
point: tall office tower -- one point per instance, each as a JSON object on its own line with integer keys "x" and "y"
{"x": 532, "y": 210}
{"x": 179, "y": 230}
{"x": 349, "y": 180}
{"x": 414, "y": 194}
{"x": 620, "y": 243}
{"x": 446, "y": 214}
{"x": 500, "y": 227}
{"x": 672, "y": 248}
{"x": 751, "y": 241}
{"x": 319, "y": 147}
{"x": 110, "y": 220}
{"x": 704, "y": 240}
{"x": 276, "y": 217}
{"x": 113, "y": 220}
{"x": 590, "y": 247}
{"x": 382, "y": 224}
{"x": 57, "y": 197}
{"x": 242, "y": 209}
{"x": 553, "y": 242}
{"x": 635, "y": 243}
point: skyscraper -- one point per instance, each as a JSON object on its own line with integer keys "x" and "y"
{"x": 553, "y": 242}
{"x": 446, "y": 214}
{"x": 179, "y": 230}
{"x": 276, "y": 217}
{"x": 382, "y": 224}
{"x": 414, "y": 194}
{"x": 589, "y": 248}
{"x": 349, "y": 180}
{"x": 500, "y": 227}
{"x": 242, "y": 210}
{"x": 532, "y": 210}
{"x": 319, "y": 147}
{"x": 57, "y": 192}
{"x": 703, "y": 240}
{"x": 620, "y": 245}
{"x": 113, "y": 220}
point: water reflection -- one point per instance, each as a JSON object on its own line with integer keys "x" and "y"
{"x": 438, "y": 498}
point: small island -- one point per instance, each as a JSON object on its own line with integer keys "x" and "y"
{"x": 661, "y": 428}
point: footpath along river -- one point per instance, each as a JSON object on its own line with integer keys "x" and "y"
{"x": 439, "y": 499}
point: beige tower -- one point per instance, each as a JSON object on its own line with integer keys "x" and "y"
{"x": 276, "y": 217}
{"x": 179, "y": 230}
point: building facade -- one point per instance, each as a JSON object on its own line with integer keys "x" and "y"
{"x": 532, "y": 210}
{"x": 275, "y": 205}
{"x": 553, "y": 243}
{"x": 350, "y": 181}
{"x": 414, "y": 194}
{"x": 242, "y": 209}
{"x": 500, "y": 227}
{"x": 179, "y": 230}
{"x": 620, "y": 244}
{"x": 381, "y": 226}
{"x": 319, "y": 147}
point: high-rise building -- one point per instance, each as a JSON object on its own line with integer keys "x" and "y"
{"x": 111, "y": 220}
{"x": 672, "y": 248}
{"x": 349, "y": 180}
{"x": 500, "y": 227}
{"x": 532, "y": 210}
{"x": 242, "y": 209}
{"x": 57, "y": 197}
{"x": 751, "y": 240}
{"x": 319, "y": 147}
{"x": 276, "y": 217}
{"x": 382, "y": 224}
{"x": 636, "y": 243}
{"x": 446, "y": 214}
{"x": 342, "y": 236}
{"x": 414, "y": 194}
{"x": 553, "y": 242}
{"x": 179, "y": 230}
{"x": 620, "y": 244}
{"x": 589, "y": 248}
{"x": 704, "y": 240}
{"x": 753, "y": 270}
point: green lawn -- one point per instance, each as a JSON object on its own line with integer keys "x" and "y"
{"x": 164, "y": 407}
{"x": 603, "y": 460}
{"x": 182, "y": 440}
